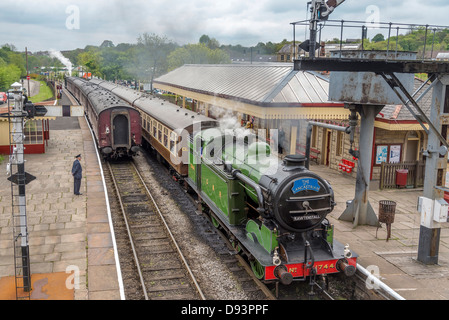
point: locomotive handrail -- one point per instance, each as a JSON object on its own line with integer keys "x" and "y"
{"x": 321, "y": 196}
{"x": 308, "y": 210}
{"x": 239, "y": 175}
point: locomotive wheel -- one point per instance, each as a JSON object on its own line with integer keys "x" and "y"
{"x": 258, "y": 269}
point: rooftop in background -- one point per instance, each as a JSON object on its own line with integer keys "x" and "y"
{"x": 257, "y": 83}
{"x": 395, "y": 113}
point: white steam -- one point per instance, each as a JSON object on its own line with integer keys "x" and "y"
{"x": 66, "y": 62}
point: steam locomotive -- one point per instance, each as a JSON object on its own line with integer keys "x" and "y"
{"x": 115, "y": 124}
{"x": 273, "y": 211}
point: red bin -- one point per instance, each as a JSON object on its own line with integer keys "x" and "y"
{"x": 401, "y": 178}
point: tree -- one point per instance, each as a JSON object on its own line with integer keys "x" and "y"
{"x": 92, "y": 61}
{"x": 8, "y": 75}
{"x": 211, "y": 43}
{"x": 107, "y": 44}
{"x": 153, "y": 54}
{"x": 196, "y": 54}
{"x": 378, "y": 38}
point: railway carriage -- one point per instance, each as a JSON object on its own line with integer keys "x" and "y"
{"x": 166, "y": 127}
{"x": 115, "y": 124}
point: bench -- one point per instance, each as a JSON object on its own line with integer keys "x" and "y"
{"x": 301, "y": 150}
{"x": 346, "y": 165}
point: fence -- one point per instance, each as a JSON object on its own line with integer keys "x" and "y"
{"x": 415, "y": 175}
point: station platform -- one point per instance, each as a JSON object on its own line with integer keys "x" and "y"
{"x": 71, "y": 246}
{"x": 69, "y": 232}
{"x": 395, "y": 260}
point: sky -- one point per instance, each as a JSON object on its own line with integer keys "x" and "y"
{"x": 42, "y": 25}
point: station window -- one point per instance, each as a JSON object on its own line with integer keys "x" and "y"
{"x": 314, "y": 136}
{"x": 340, "y": 139}
{"x": 33, "y": 132}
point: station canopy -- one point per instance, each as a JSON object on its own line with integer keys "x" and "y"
{"x": 258, "y": 84}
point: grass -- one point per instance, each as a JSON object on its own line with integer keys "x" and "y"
{"x": 44, "y": 93}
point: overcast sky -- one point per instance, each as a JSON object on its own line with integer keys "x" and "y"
{"x": 70, "y": 24}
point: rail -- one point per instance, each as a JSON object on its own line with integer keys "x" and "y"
{"x": 141, "y": 251}
{"x": 391, "y": 28}
{"x": 181, "y": 255}
{"x": 378, "y": 283}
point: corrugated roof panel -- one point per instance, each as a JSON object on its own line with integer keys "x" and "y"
{"x": 251, "y": 82}
{"x": 304, "y": 87}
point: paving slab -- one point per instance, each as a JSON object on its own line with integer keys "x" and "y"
{"x": 395, "y": 259}
{"x": 65, "y": 231}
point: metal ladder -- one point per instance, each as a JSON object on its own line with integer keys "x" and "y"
{"x": 19, "y": 179}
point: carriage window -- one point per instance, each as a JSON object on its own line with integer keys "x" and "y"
{"x": 159, "y": 132}
{"x": 166, "y": 137}
{"x": 154, "y": 129}
{"x": 172, "y": 142}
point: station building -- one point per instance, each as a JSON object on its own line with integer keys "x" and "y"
{"x": 36, "y": 131}
{"x": 275, "y": 96}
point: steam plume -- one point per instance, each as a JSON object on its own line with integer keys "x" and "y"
{"x": 66, "y": 62}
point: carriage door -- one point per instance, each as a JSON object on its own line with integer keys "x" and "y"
{"x": 121, "y": 129}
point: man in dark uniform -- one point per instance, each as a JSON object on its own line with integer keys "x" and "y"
{"x": 77, "y": 173}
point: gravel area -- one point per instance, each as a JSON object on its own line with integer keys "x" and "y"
{"x": 215, "y": 279}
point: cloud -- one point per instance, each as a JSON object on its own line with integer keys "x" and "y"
{"x": 41, "y": 25}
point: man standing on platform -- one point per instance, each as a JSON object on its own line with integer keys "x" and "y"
{"x": 77, "y": 173}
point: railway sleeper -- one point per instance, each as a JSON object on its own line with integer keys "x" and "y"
{"x": 168, "y": 288}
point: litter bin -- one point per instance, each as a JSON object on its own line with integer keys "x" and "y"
{"x": 401, "y": 178}
{"x": 387, "y": 209}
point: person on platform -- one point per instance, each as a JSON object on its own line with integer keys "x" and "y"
{"x": 77, "y": 173}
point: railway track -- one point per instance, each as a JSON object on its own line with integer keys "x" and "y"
{"x": 224, "y": 254}
{"x": 163, "y": 272}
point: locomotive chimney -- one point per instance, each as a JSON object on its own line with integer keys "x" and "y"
{"x": 295, "y": 160}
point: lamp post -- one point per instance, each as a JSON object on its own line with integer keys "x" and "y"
{"x": 20, "y": 179}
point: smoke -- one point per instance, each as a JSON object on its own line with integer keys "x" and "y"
{"x": 66, "y": 62}
{"x": 229, "y": 122}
